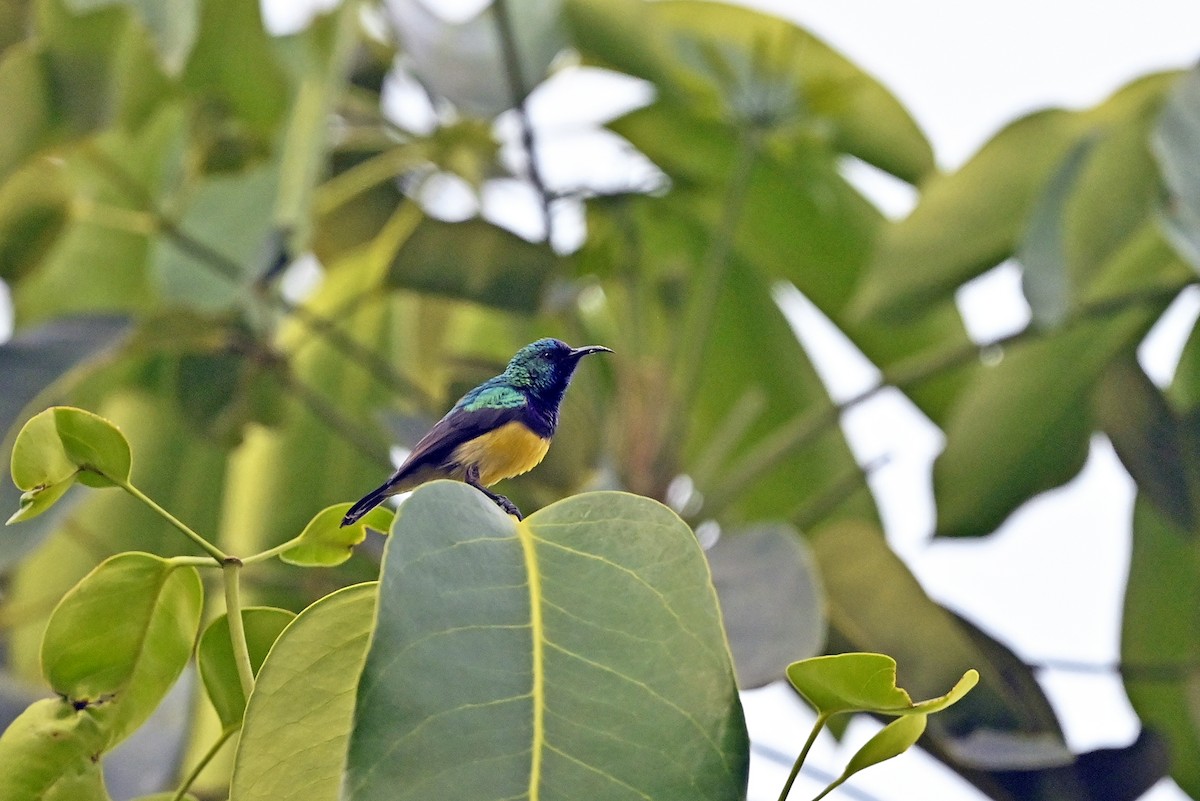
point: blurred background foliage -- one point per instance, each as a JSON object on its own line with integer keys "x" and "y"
{"x": 236, "y": 245}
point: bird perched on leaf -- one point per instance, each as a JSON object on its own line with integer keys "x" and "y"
{"x": 500, "y": 429}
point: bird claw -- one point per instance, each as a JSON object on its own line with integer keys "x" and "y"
{"x": 509, "y": 507}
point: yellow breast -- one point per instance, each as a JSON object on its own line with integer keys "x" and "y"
{"x": 510, "y": 450}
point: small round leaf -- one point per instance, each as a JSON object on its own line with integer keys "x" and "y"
{"x": 95, "y": 445}
{"x": 59, "y": 446}
{"x": 121, "y": 636}
{"x": 50, "y": 753}
{"x": 325, "y": 543}
{"x": 217, "y": 665}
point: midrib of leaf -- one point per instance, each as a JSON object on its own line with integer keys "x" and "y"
{"x": 538, "y": 637}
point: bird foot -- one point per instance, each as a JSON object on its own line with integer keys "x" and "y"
{"x": 504, "y": 503}
{"x": 508, "y": 506}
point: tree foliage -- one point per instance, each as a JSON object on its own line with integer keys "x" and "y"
{"x": 167, "y": 179}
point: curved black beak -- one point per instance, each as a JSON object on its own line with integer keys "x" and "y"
{"x": 579, "y": 353}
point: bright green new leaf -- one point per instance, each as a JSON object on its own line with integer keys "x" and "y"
{"x": 61, "y": 445}
{"x": 218, "y": 667}
{"x": 51, "y": 753}
{"x": 890, "y": 741}
{"x": 325, "y": 543}
{"x": 865, "y": 683}
{"x": 305, "y": 688}
{"x": 95, "y": 445}
{"x": 577, "y": 654}
{"x": 119, "y": 639}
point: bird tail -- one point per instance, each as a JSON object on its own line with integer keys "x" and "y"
{"x": 368, "y": 503}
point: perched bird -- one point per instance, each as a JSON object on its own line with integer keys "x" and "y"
{"x": 498, "y": 430}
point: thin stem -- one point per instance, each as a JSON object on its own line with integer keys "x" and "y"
{"x": 836, "y": 783}
{"x": 237, "y": 632}
{"x": 519, "y": 91}
{"x": 208, "y": 547}
{"x": 808, "y": 744}
{"x": 270, "y": 553}
{"x": 192, "y": 561}
{"x": 190, "y": 779}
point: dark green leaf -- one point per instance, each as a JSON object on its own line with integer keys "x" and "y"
{"x": 1149, "y": 439}
{"x": 51, "y": 753}
{"x": 1022, "y": 426}
{"x": 771, "y": 597}
{"x": 120, "y": 638}
{"x": 218, "y": 667}
{"x": 319, "y": 656}
{"x": 34, "y": 211}
{"x": 476, "y": 261}
{"x": 325, "y": 542}
{"x": 1160, "y": 636}
{"x": 575, "y": 654}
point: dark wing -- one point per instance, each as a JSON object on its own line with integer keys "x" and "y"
{"x": 459, "y": 426}
{"x": 470, "y": 417}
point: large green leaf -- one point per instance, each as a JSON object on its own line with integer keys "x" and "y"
{"x": 122, "y": 636}
{"x": 292, "y": 749}
{"x": 576, "y": 654}
{"x": 1022, "y": 426}
{"x": 50, "y": 753}
{"x": 218, "y": 667}
{"x": 757, "y": 66}
{"x": 970, "y": 220}
{"x": 771, "y": 597}
{"x": 1160, "y": 637}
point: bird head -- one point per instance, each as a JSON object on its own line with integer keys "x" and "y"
{"x": 545, "y": 367}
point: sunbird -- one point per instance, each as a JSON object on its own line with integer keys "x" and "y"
{"x": 500, "y": 429}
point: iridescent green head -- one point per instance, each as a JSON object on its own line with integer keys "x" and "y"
{"x": 545, "y": 367}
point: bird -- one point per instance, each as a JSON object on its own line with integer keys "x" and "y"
{"x": 500, "y": 429}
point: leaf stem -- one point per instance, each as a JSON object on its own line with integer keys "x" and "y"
{"x": 808, "y": 744}
{"x": 232, "y": 569}
{"x": 213, "y": 750}
{"x": 270, "y": 553}
{"x": 212, "y": 550}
